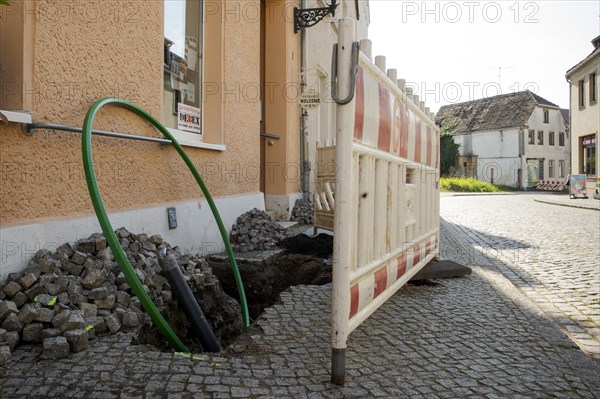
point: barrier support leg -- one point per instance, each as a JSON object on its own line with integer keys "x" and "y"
{"x": 340, "y": 301}
{"x": 338, "y": 366}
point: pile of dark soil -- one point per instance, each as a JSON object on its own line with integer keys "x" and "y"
{"x": 320, "y": 246}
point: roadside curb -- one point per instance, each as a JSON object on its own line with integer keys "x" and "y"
{"x": 580, "y": 206}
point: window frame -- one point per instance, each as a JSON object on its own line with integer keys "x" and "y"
{"x": 540, "y": 137}
{"x": 531, "y": 136}
{"x": 561, "y": 169}
{"x": 551, "y": 169}
{"x": 561, "y": 139}
{"x": 546, "y": 116}
{"x": 581, "y": 93}
{"x": 551, "y": 138}
{"x": 187, "y": 138}
{"x": 593, "y": 88}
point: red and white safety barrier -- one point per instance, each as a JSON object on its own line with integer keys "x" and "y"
{"x": 386, "y": 193}
{"x": 551, "y": 185}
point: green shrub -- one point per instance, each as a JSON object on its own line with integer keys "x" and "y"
{"x": 458, "y": 184}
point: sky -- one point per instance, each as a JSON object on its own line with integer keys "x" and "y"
{"x": 452, "y": 51}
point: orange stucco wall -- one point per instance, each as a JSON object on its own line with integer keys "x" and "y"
{"x": 282, "y": 112}
{"x": 116, "y": 49}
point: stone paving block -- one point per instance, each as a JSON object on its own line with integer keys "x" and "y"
{"x": 107, "y": 303}
{"x": 33, "y": 332}
{"x": 6, "y": 308}
{"x": 12, "y": 323}
{"x": 98, "y": 293}
{"x": 55, "y": 348}
{"x": 112, "y": 323}
{"x": 93, "y": 278}
{"x": 28, "y": 313}
{"x": 51, "y": 333}
{"x": 28, "y": 280}
{"x": 77, "y": 339}
{"x": 88, "y": 310}
{"x": 131, "y": 319}
{"x": 74, "y": 321}
{"x": 4, "y": 355}
{"x": 12, "y": 338}
{"x": 34, "y": 291}
{"x": 12, "y": 288}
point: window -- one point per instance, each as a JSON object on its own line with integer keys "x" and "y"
{"x": 561, "y": 169}
{"x": 550, "y": 138}
{"x": 541, "y": 170}
{"x": 593, "y": 88}
{"x": 182, "y": 83}
{"x": 550, "y": 169}
{"x": 540, "y": 137}
{"x": 546, "y": 116}
{"x": 531, "y": 136}
{"x": 588, "y": 146}
{"x": 561, "y": 139}
{"x": 581, "y": 93}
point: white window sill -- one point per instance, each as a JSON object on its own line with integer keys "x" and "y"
{"x": 187, "y": 139}
{"x": 17, "y": 116}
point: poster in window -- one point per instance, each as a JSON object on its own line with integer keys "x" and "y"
{"x": 188, "y": 118}
{"x": 178, "y": 67}
{"x": 191, "y": 52}
{"x": 191, "y": 93}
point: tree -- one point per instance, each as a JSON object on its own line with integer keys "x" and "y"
{"x": 448, "y": 148}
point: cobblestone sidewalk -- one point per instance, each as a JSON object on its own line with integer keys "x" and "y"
{"x": 551, "y": 253}
{"x": 471, "y": 337}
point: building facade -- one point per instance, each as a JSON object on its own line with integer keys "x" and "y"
{"x": 318, "y": 121}
{"x": 217, "y": 73}
{"x": 584, "y": 79}
{"x": 513, "y": 139}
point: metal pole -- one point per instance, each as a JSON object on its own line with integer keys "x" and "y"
{"x": 29, "y": 128}
{"x": 304, "y": 150}
{"x": 343, "y": 202}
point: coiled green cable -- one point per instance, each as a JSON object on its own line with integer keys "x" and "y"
{"x": 111, "y": 238}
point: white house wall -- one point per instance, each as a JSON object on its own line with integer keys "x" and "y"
{"x": 497, "y": 154}
{"x": 502, "y": 153}
{"x": 546, "y": 151}
{"x": 585, "y": 120}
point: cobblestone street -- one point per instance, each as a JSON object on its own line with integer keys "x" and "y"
{"x": 470, "y": 337}
{"x": 551, "y": 253}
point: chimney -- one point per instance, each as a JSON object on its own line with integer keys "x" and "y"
{"x": 596, "y": 42}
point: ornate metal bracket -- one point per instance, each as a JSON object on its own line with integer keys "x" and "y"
{"x": 311, "y": 16}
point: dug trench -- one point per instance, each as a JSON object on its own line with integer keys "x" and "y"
{"x": 67, "y": 297}
{"x": 296, "y": 260}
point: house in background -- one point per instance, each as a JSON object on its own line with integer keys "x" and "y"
{"x": 512, "y": 139}
{"x": 583, "y": 81}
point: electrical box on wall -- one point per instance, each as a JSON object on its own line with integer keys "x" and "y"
{"x": 172, "y": 216}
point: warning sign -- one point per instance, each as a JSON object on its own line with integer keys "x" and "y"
{"x": 188, "y": 118}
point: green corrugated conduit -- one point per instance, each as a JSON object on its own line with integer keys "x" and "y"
{"x": 111, "y": 238}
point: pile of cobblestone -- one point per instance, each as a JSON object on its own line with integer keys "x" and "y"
{"x": 254, "y": 230}
{"x": 303, "y": 212}
{"x": 63, "y": 299}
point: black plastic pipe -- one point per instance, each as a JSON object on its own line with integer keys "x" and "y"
{"x": 190, "y": 306}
